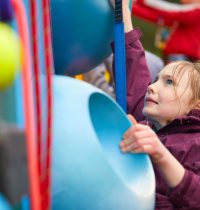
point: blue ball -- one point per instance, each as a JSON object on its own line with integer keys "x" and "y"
{"x": 82, "y": 33}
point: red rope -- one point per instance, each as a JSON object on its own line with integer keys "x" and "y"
{"x": 39, "y": 171}
{"x": 44, "y": 169}
{"x": 28, "y": 106}
{"x": 46, "y": 204}
{"x": 36, "y": 71}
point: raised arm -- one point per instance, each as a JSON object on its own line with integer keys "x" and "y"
{"x": 138, "y": 76}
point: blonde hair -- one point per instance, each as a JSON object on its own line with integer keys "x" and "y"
{"x": 193, "y": 82}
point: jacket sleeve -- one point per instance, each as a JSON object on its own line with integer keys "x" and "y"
{"x": 187, "y": 193}
{"x": 138, "y": 76}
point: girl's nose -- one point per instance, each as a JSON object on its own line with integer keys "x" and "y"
{"x": 150, "y": 89}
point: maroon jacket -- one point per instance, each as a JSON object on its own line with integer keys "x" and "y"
{"x": 181, "y": 136}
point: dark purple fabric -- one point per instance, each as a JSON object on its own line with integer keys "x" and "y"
{"x": 181, "y": 136}
{"x": 6, "y": 12}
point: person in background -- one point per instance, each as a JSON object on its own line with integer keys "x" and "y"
{"x": 102, "y": 75}
{"x": 178, "y": 27}
{"x": 168, "y": 111}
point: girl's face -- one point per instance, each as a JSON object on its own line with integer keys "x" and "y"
{"x": 168, "y": 97}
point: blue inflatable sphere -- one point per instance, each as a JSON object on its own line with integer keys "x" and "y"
{"x": 88, "y": 170}
{"x": 82, "y": 33}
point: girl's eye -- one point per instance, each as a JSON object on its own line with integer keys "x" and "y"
{"x": 155, "y": 80}
{"x": 169, "y": 82}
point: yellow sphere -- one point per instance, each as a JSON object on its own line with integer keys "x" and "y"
{"x": 10, "y": 55}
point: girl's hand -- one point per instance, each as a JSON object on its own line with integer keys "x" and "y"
{"x": 126, "y": 15}
{"x": 142, "y": 139}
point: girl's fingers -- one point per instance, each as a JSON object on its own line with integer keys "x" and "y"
{"x": 134, "y": 128}
{"x": 141, "y": 146}
{"x": 132, "y": 119}
{"x": 145, "y": 149}
{"x": 137, "y": 136}
{"x": 130, "y": 147}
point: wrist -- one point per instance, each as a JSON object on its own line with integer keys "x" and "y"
{"x": 160, "y": 157}
{"x": 126, "y": 10}
{"x": 127, "y": 23}
{"x": 170, "y": 168}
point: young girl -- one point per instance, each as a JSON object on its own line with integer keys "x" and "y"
{"x": 171, "y": 132}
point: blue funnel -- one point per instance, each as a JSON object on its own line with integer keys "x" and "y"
{"x": 89, "y": 171}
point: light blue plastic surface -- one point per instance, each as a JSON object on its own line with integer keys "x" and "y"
{"x": 89, "y": 171}
{"x": 4, "y": 204}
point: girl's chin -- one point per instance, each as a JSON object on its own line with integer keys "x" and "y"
{"x": 146, "y": 112}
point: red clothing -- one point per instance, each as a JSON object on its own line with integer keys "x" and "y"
{"x": 181, "y": 137}
{"x": 185, "y": 39}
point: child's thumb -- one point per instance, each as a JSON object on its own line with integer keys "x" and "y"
{"x": 132, "y": 119}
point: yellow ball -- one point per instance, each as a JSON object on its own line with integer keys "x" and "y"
{"x": 10, "y": 55}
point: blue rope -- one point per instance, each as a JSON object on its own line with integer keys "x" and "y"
{"x": 120, "y": 58}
